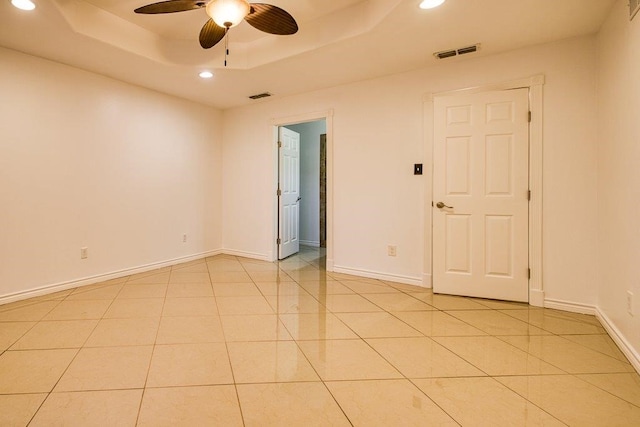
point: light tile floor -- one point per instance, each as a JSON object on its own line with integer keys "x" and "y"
{"x": 229, "y": 341}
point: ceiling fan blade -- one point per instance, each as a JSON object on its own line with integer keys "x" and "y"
{"x": 171, "y": 6}
{"x": 271, "y": 19}
{"x": 211, "y": 34}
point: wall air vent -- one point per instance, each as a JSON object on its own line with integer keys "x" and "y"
{"x": 261, "y": 95}
{"x": 461, "y": 51}
{"x": 634, "y": 6}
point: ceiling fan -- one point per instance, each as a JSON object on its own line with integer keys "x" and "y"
{"x": 225, "y": 14}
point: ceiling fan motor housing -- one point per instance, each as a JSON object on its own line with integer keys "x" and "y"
{"x": 228, "y": 13}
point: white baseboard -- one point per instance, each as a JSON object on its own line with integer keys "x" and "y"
{"x": 617, "y": 337}
{"x": 427, "y": 280}
{"x": 63, "y": 286}
{"x": 623, "y": 344}
{"x": 570, "y": 306}
{"x": 329, "y": 264}
{"x": 244, "y": 254}
{"x": 536, "y": 297}
{"x": 381, "y": 276}
{"x": 311, "y": 243}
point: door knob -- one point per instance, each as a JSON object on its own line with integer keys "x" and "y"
{"x": 441, "y": 205}
{"x": 299, "y": 198}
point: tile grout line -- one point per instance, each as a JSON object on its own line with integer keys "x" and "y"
{"x": 404, "y": 377}
{"x": 226, "y": 346}
{"x": 314, "y": 368}
{"x": 153, "y": 349}
{"x": 72, "y": 359}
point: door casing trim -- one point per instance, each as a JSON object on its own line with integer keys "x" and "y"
{"x": 274, "y": 124}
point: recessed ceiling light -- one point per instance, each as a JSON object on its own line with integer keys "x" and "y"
{"x": 430, "y": 4}
{"x": 23, "y": 4}
{"x": 206, "y": 74}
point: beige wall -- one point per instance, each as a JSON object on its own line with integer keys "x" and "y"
{"x": 619, "y": 171}
{"x": 89, "y": 161}
{"x": 126, "y": 171}
{"x": 378, "y": 136}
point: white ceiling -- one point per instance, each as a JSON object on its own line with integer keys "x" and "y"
{"x": 339, "y": 41}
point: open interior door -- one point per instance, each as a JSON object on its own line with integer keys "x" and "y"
{"x": 288, "y": 193}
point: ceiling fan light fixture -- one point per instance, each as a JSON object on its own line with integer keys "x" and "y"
{"x": 23, "y": 4}
{"x": 430, "y": 4}
{"x": 228, "y": 13}
{"x": 205, "y": 74}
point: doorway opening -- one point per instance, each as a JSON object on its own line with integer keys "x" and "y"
{"x": 302, "y": 189}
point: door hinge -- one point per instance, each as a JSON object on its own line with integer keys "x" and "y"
{"x": 529, "y": 116}
{"x": 278, "y": 240}
{"x": 279, "y": 193}
{"x": 529, "y": 195}
{"x": 280, "y": 142}
{"x": 528, "y": 273}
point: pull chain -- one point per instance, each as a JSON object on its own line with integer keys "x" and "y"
{"x": 226, "y": 45}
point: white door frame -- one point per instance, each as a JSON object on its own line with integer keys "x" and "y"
{"x": 535, "y": 86}
{"x": 291, "y": 120}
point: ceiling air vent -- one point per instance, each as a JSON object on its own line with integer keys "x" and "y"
{"x": 446, "y": 54}
{"x": 634, "y": 6}
{"x": 260, "y": 95}
{"x": 461, "y": 51}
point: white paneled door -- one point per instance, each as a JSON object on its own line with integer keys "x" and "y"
{"x": 289, "y": 195}
{"x": 480, "y": 195}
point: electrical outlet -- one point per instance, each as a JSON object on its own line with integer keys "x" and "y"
{"x": 392, "y": 250}
{"x": 630, "y": 302}
{"x": 84, "y": 253}
{"x": 184, "y": 238}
